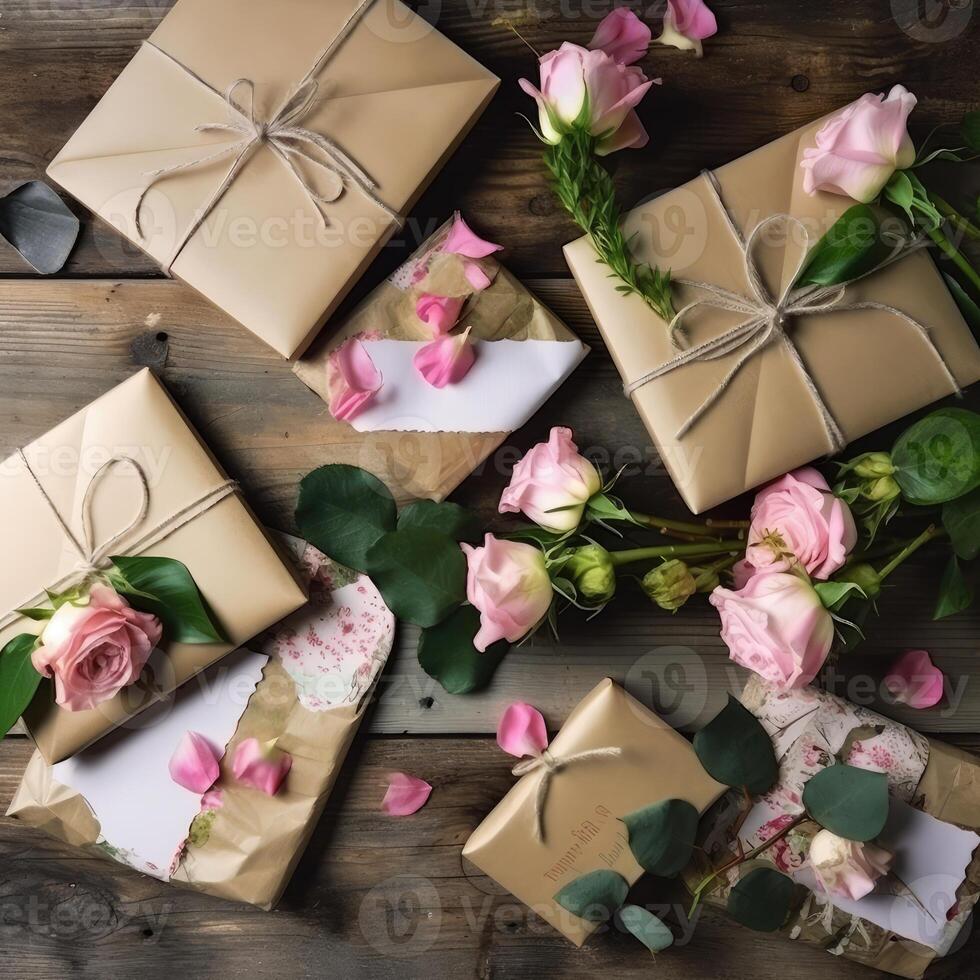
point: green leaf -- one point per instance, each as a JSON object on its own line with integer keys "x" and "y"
{"x": 961, "y": 518}
{"x": 761, "y": 899}
{"x": 662, "y": 836}
{"x": 421, "y": 574}
{"x": 736, "y": 750}
{"x": 851, "y": 247}
{"x": 938, "y": 458}
{"x": 165, "y": 587}
{"x": 458, "y": 522}
{"x": 446, "y": 653}
{"x": 38, "y": 615}
{"x": 955, "y": 591}
{"x": 848, "y": 801}
{"x": 970, "y": 129}
{"x": 969, "y": 309}
{"x": 833, "y": 595}
{"x": 344, "y": 510}
{"x": 18, "y": 680}
{"x": 646, "y": 927}
{"x": 594, "y": 896}
{"x": 899, "y": 191}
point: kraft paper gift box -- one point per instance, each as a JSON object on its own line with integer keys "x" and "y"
{"x": 585, "y": 802}
{"x": 239, "y": 572}
{"x": 914, "y": 915}
{"x": 392, "y": 100}
{"x": 869, "y": 367}
{"x": 309, "y": 689}
{"x": 421, "y": 441}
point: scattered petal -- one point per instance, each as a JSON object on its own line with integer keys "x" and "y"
{"x": 213, "y": 799}
{"x": 439, "y": 312}
{"x": 462, "y": 240}
{"x": 915, "y": 680}
{"x": 475, "y": 276}
{"x": 352, "y": 379}
{"x": 261, "y": 765}
{"x": 447, "y": 360}
{"x": 405, "y": 794}
{"x": 522, "y": 730}
{"x": 194, "y": 764}
{"x": 622, "y": 35}
{"x": 686, "y": 24}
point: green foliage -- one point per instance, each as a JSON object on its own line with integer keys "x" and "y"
{"x": 956, "y": 592}
{"x": 594, "y": 896}
{"x": 662, "y": 836}
{"x": 851, "y": 247}
{"x": 446, "y": 653}
{"x": 961, "y": 519}
{"x": 458, "y": 522}
{"x": 736, "y": 750}
{"x": 646, "y": 927}
{"x": 18, "y": 680}
{"x": 761, "y": 899}
{"x": 848, "y": 801}
{"x": 938, "y": 458}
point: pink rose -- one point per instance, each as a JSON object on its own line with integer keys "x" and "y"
{"x": 777, "y": 626}
{"x": 847, "y": 868}
{"x": 508, "y": 583}
{"x": 352, "y": 380}
{"x": 686, "y": 24}
{"x": 574, "y": 78}
{"x": 96, "y": 650}
{"x": 552, "y": 475}
{"x": 798, "y": 515}
{"x": 860, "y": 147}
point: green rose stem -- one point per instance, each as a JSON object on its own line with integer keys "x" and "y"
{"x": 924, "y": 538}
{"x": 698, "y": 550}
{"x": 957, "y": 220}
{"x": 741, "y": 858}
{"x": 691, "y": 528}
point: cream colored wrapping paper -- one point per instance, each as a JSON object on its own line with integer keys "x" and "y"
{"x": 585, "y": 804}
{"x": 397, "y": 96}
{"x": 235, "y": 565}
{"x": 869, "y": 366}
{"x": 432, "y": 464}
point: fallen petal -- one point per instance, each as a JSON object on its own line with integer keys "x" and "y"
{"x": 440, "y": 313}
{"x": 405, "y": 794}
{"x": 447, "y": 360}
{"x": 475, "y": 276}
{"x": 522, "y": 730}
{"x": 462, "y": 240}
{"x": 915, "y": 680}
{"x": 194, "y": 764}
{"x": 261, "y": 765}
{"x": 352, "y": 379}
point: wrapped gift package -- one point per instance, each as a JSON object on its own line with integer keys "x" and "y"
{"x": 264, "y": 153}
{"x": 585, "y": 802}
{"x": 58, "y": 491}
{"x": 423, "y": 441}
{"x": 802, "y": 391}
{"x": 306, "y": 684}
{"x": 916, "y": 913}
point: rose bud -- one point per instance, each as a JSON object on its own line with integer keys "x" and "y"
{"x": 261, "y": 765}
{"x": 590, "y": 569}
{"x": 864, "y": 576}
{"x": 847, "y": 868}
{"x": 874, "y": 465}
{"x": 669, "y": 585}
{"x": 881, "y": 490}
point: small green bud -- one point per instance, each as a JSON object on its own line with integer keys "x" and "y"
{"x": 863, "y": 575}
{"x": 875, "y": 465}
{"x": 882, "y": 489}
{"x": 705, "y": 579}
{"x": 592, "y": 572}
{"x": 670, "y": 585}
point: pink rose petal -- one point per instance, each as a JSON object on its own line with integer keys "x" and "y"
{"x": 915, "y": 680}
{"x": 522, "y": 730}
{"x": 352, "y": 379}
{"x": 405, "y": 794}
{"x": 194, "y": 764}
{"x": 475, "y": 276}
{"x": 462, "y": 240}
{"x": 440, "y": 313}
{"x": 447, "y": 360}
{"x": 261, "y": 765}
{"x": 622, "y": 35}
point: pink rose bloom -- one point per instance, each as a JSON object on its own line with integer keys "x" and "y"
{"x": 574, "y": 78}
{"x": 446, "y": 360}
{"x": 915, "y": 680}
{"x": 352, "y": 380}
{"x": 552, "y": 475}
{"x": 776, "y": 626}
{"x": 847, "y": 868}
{"x": 508, "y": 583}
{"x": 798, "y": 515}
{"x": 860, "y": 147}
{"x": 686, "y": 24}
{"x": 439, "y": 313}
{"x": 94, "y": 651}
{"x": 261, "y": 765}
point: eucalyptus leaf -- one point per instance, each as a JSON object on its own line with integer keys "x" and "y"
{"x": 458, "y": 522}
{"x": 966, "y": 303}
{"x": 938, "y": 458}
{"x": 165, "y": 587}
{"x": 421, "y": 574}
{"x": 761, "y": 899}
{"x": 594, "y": 896}
{"x": 961, "y": 518}
{"x": 853, "y": 246}
{"x": 848, "y": 801}
{"x": 970, "y": 129}
{"x": 661, "y": 836}
{"x": 36, "y": 222}
{"x": 18, "y": 680}
{"x": 344, "y": 510}
{"x": 646, "y": 927}
{"x": 736, "y": 750}
{"x": 446, "y": 653}
{"x": 955, "y": 591}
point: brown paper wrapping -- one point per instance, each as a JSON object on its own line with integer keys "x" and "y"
{"x": 431, "y": 464}
{"x": 397, "y": 96}
{"x": 585, "y": 803}
{"x": 870, "y": 367}
{"x": 248, "y": 851}
{"x": 237, "y": 568}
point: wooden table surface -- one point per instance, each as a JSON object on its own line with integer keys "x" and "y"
{"x": 373, "y": 899}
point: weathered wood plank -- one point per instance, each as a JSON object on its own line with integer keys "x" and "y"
{"x": 372, "y": 898}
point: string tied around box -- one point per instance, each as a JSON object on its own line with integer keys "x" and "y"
{"x": 281, "y": 133}
{"x": 768, "y": 316}
{"x": 93, "y": 558}
{"x": 549, "y": 765}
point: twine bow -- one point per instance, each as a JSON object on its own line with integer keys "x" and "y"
{"x": 768, "y": 318}
{"x": 92, "y": 558}
{"x": 283, "y": 135}
{"x": 548, "y": 764}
